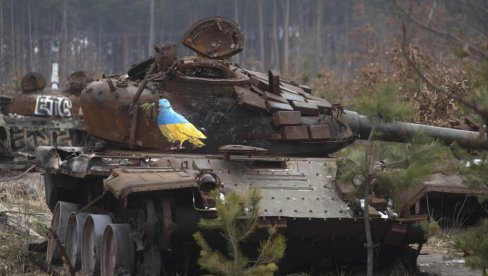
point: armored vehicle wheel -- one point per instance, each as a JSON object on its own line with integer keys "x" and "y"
{"x": 59, "y": 222}
{"x": 91, "y": 242}
{"x": 152, "y": 264}
{"x": 74, "y": 232}
{"x": 117, "y": 251}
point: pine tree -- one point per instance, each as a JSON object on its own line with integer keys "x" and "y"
{"x": 237, "y": 217}
{"x": 474, "y": 241}
{"x": 475, "y": 244}
{"x": 420, "y": 157}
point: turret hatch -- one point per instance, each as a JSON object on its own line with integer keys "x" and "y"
{"x": 214, "y": 37}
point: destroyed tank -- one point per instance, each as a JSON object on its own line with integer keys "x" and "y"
{"x": 130, "y": 205}
{"x": 39, "y": 116}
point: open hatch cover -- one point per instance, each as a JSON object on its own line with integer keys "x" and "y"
{"x": 214, "y": 37}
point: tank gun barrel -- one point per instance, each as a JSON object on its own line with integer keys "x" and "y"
{"x": 402, "y": 132}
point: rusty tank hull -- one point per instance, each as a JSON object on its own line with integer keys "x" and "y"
{"x": 164, "y": 193}
{"x": 40, "y": 116}
{"x": 176, "y": 128}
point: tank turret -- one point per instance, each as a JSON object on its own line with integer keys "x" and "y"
{"x": 246, "y": 108}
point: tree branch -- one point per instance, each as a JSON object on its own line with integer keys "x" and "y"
{"x": 450, "y": 37}
{"x": 482, "y": 112}
{"x": 10, "y": 178}
{"x": 477, "y": 9}
{"x": 437, "y": 88}
{"x": 258, "y": 261}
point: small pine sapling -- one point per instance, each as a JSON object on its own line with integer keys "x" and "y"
{"x": 237, "y": 217}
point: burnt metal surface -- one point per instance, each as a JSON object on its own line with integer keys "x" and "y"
{"x": 299, "y": 197}
{"x": 51, "y": 117}
{"x": 214, "y": 37}
{"x": 76, "y": 82}
{"x": 33, "y": 81}
{"x": 106, "y": 114}
{"x": 123, "y": 182}
{"x": 227, "y": 111}
{"x": 449, "y": 184}
{"x": 27, "y": 133}
{"x": 53, "y": 104}
{"x": 292, "y": 187}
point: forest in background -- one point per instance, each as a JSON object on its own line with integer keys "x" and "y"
{"x": 306, "y": 40}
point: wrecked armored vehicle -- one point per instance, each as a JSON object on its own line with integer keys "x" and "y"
{"x": 40, "y": 116}
{"x": 177, "y": 128}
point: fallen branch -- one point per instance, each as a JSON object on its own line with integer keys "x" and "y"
{"x": 10, "y": 178}
{"x": 63, "y": 250}
{"x": 22, "y": 213}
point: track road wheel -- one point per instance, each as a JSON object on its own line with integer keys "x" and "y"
{"x": 152, "y": 262}
{"x": 74, "y": 232}
{"x": 59, "y": 222}
{"x": 91, "y": 243}
{"x": 117, "y": 251}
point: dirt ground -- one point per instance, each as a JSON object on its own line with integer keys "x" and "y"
{"x": 24, "y": 219}
{"x": 439, "y": 257}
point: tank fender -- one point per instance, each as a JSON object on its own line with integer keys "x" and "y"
{"x": 123, "y": 182}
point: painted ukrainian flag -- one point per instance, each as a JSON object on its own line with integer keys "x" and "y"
{"x": 175, "y": 127}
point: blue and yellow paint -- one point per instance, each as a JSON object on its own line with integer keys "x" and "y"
{"x": 175, "y": 127}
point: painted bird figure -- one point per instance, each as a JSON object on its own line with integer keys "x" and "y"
{"x": 175, "y": 127}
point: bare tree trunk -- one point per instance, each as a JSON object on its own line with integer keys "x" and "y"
{"x": 12, "y": 40}
{"x": 238, "y": 57}
{"x": 369, "y": 178}
{"x": 318, "y": 32}
{"x": 125, "y": 51}
{"x": 151, "y": 27}
{"x": 431, "y": 13}
{"x": 63, "y": 69}
{"x": 99, "y": 67}
{"x": 346, "y": 43}
{"x": 29, "y": 18}
{"x": 261, "y": 34}
{"x": 140, "y": 47}
{"x": 245, "y": 54}
{"x": 236, "y": 11}
{"x": 367, "y": 229}
{"x": 37, "y": 44}
{"x": 51, "y": 53}
{"x": 2, "y": 64}
{"x": 20, "y": 42}
{"x": 276, "y": 53}
{"x": 286, "y": 43}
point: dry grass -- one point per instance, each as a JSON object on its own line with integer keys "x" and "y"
{"x": 24, "y": 218}
{"x": 442, "y": 244}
